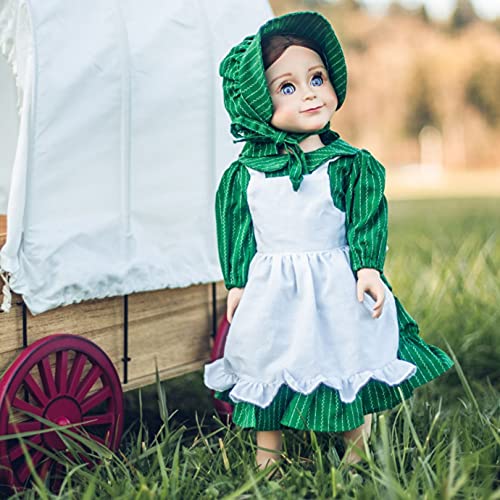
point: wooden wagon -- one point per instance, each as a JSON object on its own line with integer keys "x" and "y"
{"x": 107, "y": 235}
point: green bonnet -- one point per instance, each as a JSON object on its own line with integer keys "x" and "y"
{"x": 249, "y": 104}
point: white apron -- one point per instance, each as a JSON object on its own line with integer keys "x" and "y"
{"x": 299, "y": 321}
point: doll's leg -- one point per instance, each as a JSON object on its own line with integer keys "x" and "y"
{"x": 270, "y": 440}
{"x": 357, "y": 437}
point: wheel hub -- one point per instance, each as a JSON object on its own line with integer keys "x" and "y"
{"x": 61, "y": 411}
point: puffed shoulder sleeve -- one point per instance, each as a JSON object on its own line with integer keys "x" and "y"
{"x": 235, "y": 236}
{"x": 366, "y": 213}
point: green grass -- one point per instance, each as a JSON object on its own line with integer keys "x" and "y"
{"x": 444, "y": 443}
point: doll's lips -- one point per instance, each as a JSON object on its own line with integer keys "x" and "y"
{"x": 312, "y": 110}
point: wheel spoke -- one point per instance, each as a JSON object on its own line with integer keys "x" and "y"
{"x": 18, "y": 427}
{"x": 96, "y": 399}
{"x": 35, "y": 390}
{"x": 56, "y": 477}
{"x": 87, "y": 383}
{"x": 76, "y": 372}
{"x": 47, "y": 377}
{"x": 62, "y": 371}
{"x": 24, "y": 471}
{"x": 17, "y": 451}
{"x": 81, "y": 456}
{"x": 44, "y": 468}
{"x": 87, "y": 460}
{"x": 59, "y": 470}
{"x": 90, "y": 435}
{"x": 94, "y": 437}
{"x": 103, "y": 419}
{"x": 27, "y": 407}
{"x": 70, "y": 456}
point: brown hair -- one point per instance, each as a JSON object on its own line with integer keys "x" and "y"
{"x": 273, "y": 47}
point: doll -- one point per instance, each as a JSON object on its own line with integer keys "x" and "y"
{"x": 317, "y": 338}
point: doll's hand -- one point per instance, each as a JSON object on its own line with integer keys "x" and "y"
{"x": 369, "y": 281}
{"x": 233, "y": 299}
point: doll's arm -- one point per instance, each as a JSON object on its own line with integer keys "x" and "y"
{"x": 366, "y": 213}
{"x": 235, "y": 236}
{"x": 366, "y": 218}
{"x": 233, "y": 301}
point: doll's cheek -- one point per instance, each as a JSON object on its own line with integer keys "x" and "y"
{"x": 279, "y": 119}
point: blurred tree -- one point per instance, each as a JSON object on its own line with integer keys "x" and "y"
{"x": 421, "y": 110}
{"x": 463, "y": 15}
{"x": 483, "y": 91}
{"x": 422, "y": 14}
{"x": 351, "y": 4}
{"x": 395, "y": 9}
{"x": 317, "y": 3}
{"x": 496, "y": 23}
{"x": 345, "y": 4}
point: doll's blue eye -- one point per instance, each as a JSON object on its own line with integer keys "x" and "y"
{"x": 287, "y": 89}
{"x": 317, "y": 81}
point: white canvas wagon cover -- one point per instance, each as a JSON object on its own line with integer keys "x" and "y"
{"x": 122, "y": 139}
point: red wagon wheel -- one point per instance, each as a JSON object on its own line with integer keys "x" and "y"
{"x": 225, "y": 410}
{"x": 64, "y": 379}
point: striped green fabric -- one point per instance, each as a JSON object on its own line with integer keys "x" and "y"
{"x": 357, "y": 185}
{"x": 235, "y": 236}
{"x": 249, "y": 104}
{"x": 323, "y": 410}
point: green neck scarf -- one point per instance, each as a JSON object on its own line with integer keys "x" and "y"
{"x": 258, "y": 155}
{"x": 249, "y": 104}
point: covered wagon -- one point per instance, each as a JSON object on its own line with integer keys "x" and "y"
{"x": 113, "y": 140}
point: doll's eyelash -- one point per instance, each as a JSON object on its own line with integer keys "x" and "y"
{"x": 319, "y": 73}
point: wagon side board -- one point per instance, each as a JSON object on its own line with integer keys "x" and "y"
{"x": 168, "y": 330}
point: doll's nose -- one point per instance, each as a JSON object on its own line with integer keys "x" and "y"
{"x": 309, "y": 94}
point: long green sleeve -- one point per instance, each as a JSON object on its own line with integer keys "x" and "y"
{"x": 366, "y": 213}
{"x": 235, "y": 236}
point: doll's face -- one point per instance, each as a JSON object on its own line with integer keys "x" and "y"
{"x": 303, "y": 97}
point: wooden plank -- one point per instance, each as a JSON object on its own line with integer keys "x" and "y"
{"x": 150, "y": 378}
{"x": 221, "y": 293}
{"x": 146, "y": 305}
{"x": 172, "y": 331}
{"x": 11, "y": 328}
{"x": 99, "y": 320}
{"x": 85, "y": 318}
{"x": 171, "y": 327}
{"x": 7, "y": 358}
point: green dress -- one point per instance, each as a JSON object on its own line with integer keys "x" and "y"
{"x": 357, "y": 184}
